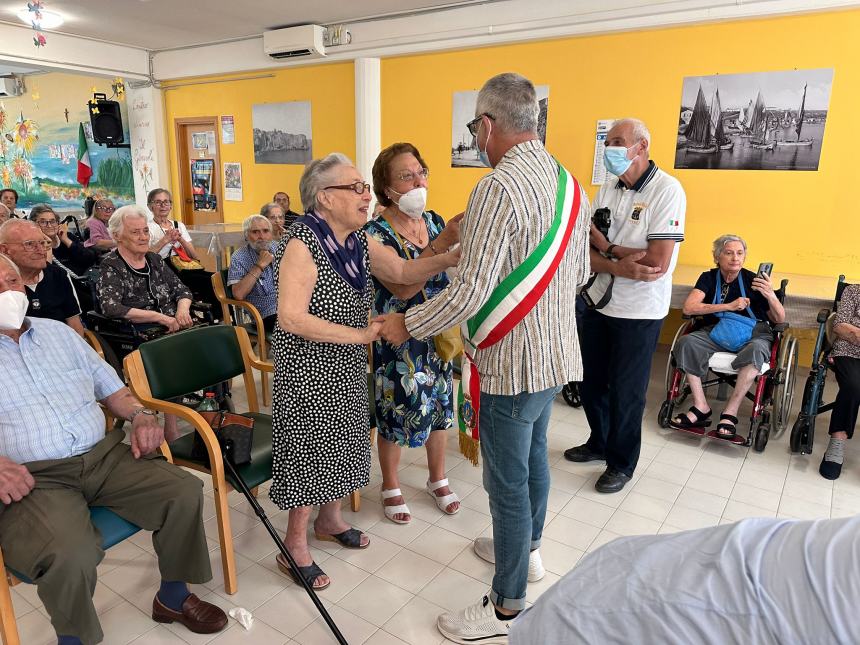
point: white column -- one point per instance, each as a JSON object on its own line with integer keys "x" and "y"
{"x": 148, "y": 140}
{"x": 368, "y": 114}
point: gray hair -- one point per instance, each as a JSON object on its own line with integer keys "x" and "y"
{"x": 11, "y": 263}
{"x": 116, "y": 223}
{"x": 11, "y": 224}
{"x": 38, "y": 209}
{"x": 249, "y": 222}
{"x": 511, "y": 100}
{"x": 720, "y": 244}
{"x": 267, "y": 208}
{"x": 318, "y": 174}
{"x": 640, "y": 130}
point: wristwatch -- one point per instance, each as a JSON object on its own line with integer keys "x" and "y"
{"x": 608, "y": 252}
{"x": 137, "y": 411}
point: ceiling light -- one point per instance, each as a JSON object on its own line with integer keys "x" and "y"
{"x": 50, "y": 19}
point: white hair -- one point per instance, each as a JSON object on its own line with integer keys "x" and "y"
{"x": 116, "y": 223}
{"x": 10, "y": 224}
{"x": 720, "y": 244}
{"x": 511, "y": 101}
{"x": 249, "y": 222}
{"x": 11, "y": 263}
{"x": 318, "y": 174}
{"x": 640, "y": 130}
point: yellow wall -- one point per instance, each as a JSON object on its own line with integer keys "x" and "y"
{"x": 331, "y": 90}
{"x": 804, "y": 222}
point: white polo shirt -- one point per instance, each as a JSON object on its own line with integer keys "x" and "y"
{"x": 652, "y": 209}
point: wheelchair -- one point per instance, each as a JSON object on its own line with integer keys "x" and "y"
{"x": 774, "y": 387}
{"x": 803, "y": 430}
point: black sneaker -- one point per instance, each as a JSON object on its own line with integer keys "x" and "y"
{"x": 582, "y": 454}
{"x": 611, "y": 481}
{"x": 830, "y": 469}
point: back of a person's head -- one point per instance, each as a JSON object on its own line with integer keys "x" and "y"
{"x": 510, "y": 100}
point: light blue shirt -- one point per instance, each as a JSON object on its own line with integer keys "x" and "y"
{"x": 52, "y": 382}
{"x": 263, "y": 294}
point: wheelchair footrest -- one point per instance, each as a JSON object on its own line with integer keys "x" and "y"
{"x": 738, "y": 440}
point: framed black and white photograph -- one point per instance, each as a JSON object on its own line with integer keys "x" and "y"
{"x": 282, "y": 132}
{"x": 758, "y": 121}
{"x": 464, "y": 150}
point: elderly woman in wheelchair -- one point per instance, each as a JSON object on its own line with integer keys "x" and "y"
{"x": 735, "y": 306}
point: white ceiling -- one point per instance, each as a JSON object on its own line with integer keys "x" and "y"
{"x": 167, "y": 24}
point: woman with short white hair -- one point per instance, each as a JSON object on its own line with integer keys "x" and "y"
{"x": 320, "y": 428}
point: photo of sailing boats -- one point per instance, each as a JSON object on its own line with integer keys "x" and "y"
{"x": 758, "y": 121}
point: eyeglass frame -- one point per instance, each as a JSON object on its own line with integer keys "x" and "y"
{"x": 30, "y": 245}
{"x": 424, "y": 173}
{"x": 105, "y": 209}
{"x": 162, "y": 202}
{"x": 472, "y": 126}
{"x": 365, "y": 187}
{"x": 46, "y": 224}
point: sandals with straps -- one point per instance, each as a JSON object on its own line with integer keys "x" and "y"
{"x": 446, "y": 500}
{"x": 310, "y": 573}
{"x": 727, "y": 430}
{"x": 349, "y": 539}
{"x": 682, "y": 421}
{"x": 397, "y": 509}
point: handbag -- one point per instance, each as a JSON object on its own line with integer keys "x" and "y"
{"x": 448, "y": 342}
{"x": 180, "y": 259}
{"x": 733, "y": 331}
{"x": 235, "y": 429}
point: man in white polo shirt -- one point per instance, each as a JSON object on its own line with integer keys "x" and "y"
{"x": 628, "y": 299}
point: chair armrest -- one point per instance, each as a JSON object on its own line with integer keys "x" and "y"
{"x": 263, "y": 366}
{"x": 823, "y": 315}
{"x": 781, "y": 327}
{"x": 258, "y": 321}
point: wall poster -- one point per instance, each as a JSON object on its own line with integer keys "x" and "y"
{"x": 202, "y": 171}
{"x": 233, "y": 182}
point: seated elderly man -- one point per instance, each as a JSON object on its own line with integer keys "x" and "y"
{"x": 252, "y": 274}
{"x": 55, "y": 462}
{"x": 48, "y": 287}
{"x": 283, "y": 200}
{"x": 68, "y": 250}
{"x": 764, "y": 581}
{"x": 99, "y": 237}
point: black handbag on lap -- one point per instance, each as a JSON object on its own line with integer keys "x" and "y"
{"x": 234, "y": 429}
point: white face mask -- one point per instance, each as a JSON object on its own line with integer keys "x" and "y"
{"x": 413, "y": 202}
{"x": 13, "y": 308}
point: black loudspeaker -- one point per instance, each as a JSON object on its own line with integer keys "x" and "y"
{"x": 106, "y": 120}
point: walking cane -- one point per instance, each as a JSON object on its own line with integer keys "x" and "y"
{"x": 227, "y": 451}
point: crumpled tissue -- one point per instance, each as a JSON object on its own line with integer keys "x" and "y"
{"x": 241, "y": 615}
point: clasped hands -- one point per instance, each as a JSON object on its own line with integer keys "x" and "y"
{"x": 627, "y": 266}
{"x": 391, "y": 327}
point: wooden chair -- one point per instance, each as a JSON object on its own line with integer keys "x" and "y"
{"x": 93, "y": 341}
{"x": 255, "y": 329}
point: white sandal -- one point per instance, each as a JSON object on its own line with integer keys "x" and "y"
{"x": 446, "y": 500}
{"x": 391, "y": 511}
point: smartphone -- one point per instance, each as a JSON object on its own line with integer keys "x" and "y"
{"x": 765, "y": 268}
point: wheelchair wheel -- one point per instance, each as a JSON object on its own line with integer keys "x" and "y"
{"x": 570, "y": 393}
{"x": 762, "y": 434}
{"x": 665, "y": 414}
{"x": 670, "y": 364}
{"x": 786, "y": 376}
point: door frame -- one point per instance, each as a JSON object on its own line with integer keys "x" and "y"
{"x": 184, "y": 161}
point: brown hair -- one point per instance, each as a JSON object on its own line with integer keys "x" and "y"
{"x": 381, "y": 174}
{"x": 155, "y": 192}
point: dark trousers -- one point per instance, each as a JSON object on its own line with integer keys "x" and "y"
{"x": 616, "y": 361}
{"x": 844, "y": 415}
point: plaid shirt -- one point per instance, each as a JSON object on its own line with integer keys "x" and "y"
{"x": 263, "y": 294}
{"x": 52, "y": 384}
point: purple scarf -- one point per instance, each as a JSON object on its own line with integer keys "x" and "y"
{"x": 347, "y": 260}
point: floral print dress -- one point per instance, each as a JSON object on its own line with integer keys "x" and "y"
{"x": 413, "y": 386}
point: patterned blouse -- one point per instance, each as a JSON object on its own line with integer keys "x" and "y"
{"x": 848, "y": 311}
{"x": 155, "y": 287}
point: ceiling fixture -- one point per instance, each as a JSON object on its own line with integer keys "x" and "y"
{"x": 50, "y": 19}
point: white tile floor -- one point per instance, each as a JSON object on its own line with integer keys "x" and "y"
{"x": 392, "y": 592}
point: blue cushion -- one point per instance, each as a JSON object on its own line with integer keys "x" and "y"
{"x": 113, "y": 528}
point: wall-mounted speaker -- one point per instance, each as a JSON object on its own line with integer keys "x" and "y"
{"x": 106, "y": 120}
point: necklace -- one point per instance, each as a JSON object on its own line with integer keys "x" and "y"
{"x": 419, "y": 238}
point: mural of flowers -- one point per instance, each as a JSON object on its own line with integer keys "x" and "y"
{"x": 22, "y": 170}
{"x": 26, "y": 135}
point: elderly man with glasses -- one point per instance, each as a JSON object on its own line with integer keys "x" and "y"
{"x": 68, "y": 249}
{"x": 100, "y": 238}
{"x": 48, "y": 287}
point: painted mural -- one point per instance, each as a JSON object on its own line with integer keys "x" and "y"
{"x": 39, "y": 144}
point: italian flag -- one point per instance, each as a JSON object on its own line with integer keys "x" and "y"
{"x": 85, "y": 166}
{"x": 511, "y": 301}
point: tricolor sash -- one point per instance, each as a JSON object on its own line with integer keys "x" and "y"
{"x": 509, "y": 303}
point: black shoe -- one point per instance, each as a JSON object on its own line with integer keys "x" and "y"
{"x": 830, "y": 469}
{"x": 582, "y": 454}
{"x": 611, "y": 481}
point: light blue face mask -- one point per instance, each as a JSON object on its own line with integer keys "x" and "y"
{"x": 482, "y": 154}
{"x": 615, "y": 159}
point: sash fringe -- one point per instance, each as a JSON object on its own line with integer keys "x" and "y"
{"x": 468, "y": 447}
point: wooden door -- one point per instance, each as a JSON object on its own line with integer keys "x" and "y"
{"x": 200, "y": 201}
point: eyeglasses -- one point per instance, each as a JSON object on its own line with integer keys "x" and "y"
{"x": 47, "y": 223}
{"x": 358, "y": 187}
{"x": 409, "y": 176}
{"x": 162, "y": 202}
{"x": 106, "y": 209}
{"x": 472, "y": 126}
{"x": 34, "y": 245}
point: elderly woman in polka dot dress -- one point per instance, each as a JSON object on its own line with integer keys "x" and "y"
{"x": 320, "y": 434}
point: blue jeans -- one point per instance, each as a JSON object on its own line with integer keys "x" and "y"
{"x": 516, "y": 478}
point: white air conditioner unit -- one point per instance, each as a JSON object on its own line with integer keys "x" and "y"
{"x": 305, "y": 41}
{"x": 11, "y": 86}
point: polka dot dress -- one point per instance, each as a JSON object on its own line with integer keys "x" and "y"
{"x": 320, "y": 426}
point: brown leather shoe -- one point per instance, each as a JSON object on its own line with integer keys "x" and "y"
{"x": 197, "y": 615}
